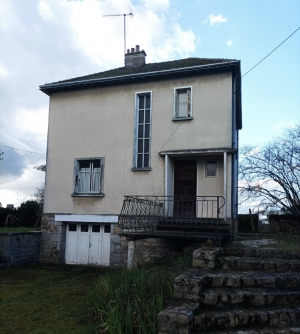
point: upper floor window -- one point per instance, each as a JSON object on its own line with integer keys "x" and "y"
{"x": 211, "y": 168}
{"x": 183, "y": 103}
{"x": 88, "y": 176}
{"x": 143, "y": 131}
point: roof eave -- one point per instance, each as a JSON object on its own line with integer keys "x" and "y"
{"x": 47, "y": 88}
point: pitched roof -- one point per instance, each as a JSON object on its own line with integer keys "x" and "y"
{"x": 151, "y": 71}
{"x": 153, "y": 67}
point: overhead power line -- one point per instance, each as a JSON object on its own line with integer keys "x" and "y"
{"x": 18, "y": 149}
{"x": 271, "y": 51}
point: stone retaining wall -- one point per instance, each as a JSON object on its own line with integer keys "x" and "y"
{"x": 53, "y": 240}
{"x": 19, "y": 247}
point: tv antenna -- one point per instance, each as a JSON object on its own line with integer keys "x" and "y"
{"x": 131, "y": 15}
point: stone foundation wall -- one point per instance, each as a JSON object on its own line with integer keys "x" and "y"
{"x": 53, "y": 240}
{"x": 118, "y": 248}
{"x": 147, "y": 250}
{"x": 19, "y": 248}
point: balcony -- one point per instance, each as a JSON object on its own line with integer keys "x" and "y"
{"x": 196, "y": 217}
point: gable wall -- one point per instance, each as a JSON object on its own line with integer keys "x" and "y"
{"x": 100, "y": 123}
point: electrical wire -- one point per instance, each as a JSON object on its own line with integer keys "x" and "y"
{"x": 18, "y": 149}
{"x": 271, "y": 51}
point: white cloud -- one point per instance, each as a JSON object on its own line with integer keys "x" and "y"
{"x": 44, "y": 10}
{"x": 283, "y": 126}
{"x": 229, "y": 42}
{"x": 51, "y": 40}
{"x": 216, "y": 19}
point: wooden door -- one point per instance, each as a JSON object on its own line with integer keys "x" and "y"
{"x": 185, "y": 185}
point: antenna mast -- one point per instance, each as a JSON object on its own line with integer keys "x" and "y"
{"x": 130, "y": 14}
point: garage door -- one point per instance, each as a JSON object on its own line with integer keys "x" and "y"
{"x": 88, "y": 244}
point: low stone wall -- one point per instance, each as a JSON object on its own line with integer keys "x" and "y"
{"x": 19, "y": 247}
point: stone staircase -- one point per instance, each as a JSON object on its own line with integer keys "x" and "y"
{"x": 243, "y": 291}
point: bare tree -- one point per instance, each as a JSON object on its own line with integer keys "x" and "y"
{"x": 270, "y": 175}
{"x": 39, "y": 196}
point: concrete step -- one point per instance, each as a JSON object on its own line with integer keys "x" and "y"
{"x": 259, "y": 264}
{"x": 271, "y": 253}
{"x": 228, "y": 298}
{"x": 189, "y": 285}
{"x": 263, "y": 330}
{"x": 241, "y": 318}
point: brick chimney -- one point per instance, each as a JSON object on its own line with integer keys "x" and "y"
{"x": 135, "y": 57}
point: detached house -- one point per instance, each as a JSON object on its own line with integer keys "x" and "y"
{"x": 141, "y": 158}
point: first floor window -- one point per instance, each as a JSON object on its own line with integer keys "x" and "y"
{"x": 143, "y": 131}
{"x": 88, "y": 175}
{"x": 183, "y": 102}
{"x": 211, "y": 168}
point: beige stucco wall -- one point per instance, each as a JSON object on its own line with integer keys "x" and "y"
{"x": 100, "y": 123}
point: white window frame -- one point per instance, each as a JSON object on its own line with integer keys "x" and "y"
{"x": 98, "y": 175}
{"x": 189, "y": 109}
{"x": 206, "y": 163}
{"x": 137, "y": 138}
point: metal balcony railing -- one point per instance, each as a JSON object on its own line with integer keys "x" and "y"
{"x": 158, "y": 212}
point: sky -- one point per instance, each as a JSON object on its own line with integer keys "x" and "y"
{"x": 44, "y": 41}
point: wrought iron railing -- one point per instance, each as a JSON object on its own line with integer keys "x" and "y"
{"x": 149, "y": 212}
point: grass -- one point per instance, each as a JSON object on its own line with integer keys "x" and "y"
{"x": 281, "y": 241}
{"x": 127, "y": 302}
{"x": 64, "y": 299}
{"x": 46, "y": 299}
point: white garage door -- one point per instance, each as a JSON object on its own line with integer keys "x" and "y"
{"x": 88, "y": 244}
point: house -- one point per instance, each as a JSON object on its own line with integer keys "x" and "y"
{"x": 141, "y": 158}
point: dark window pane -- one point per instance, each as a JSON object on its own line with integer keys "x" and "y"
{"x": 147, "y": 118}
{"x": 148, "y": 101}
{"x": 96, "y": 163}
{"x": 141, "y": 131}
{"x": 147, "y": 130}
{"x": 140, "y": 161}
{"x": 84, "y": 163}
{"x": 72, "y": 227}
{"x": 96, "y": 228}
{"x": 141, "y": 102}
{"x": 141, "y": 116}
{"x": 211, "y": 168}
{"x": 146, "y": 147}
{"x": 140, "y": 146}
{"x": 84, "y": 227}
{"x": 146, "y": 160}
{"x": 106, "y": 228}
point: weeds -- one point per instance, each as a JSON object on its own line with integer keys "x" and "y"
{"x": 128, "y": 301}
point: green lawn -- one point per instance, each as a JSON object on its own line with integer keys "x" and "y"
{"x": 46, "y": 299}
{"x": 18, "y": 229}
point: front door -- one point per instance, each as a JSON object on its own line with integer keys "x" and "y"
{"x": 185, "y": 185}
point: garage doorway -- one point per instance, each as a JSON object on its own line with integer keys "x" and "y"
{"x": 88, "y": 244}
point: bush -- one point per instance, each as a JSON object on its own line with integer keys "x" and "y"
{"x": 28, "y": 213}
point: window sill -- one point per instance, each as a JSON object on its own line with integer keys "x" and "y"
{"x": 176, "y": 119}
{"x": 141, "y": 169}
{"x": 87, "y": 195}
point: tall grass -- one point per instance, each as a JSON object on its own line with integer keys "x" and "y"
{"x": 128, "y": 301}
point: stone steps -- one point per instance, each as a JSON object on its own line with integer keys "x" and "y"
{"x": 262, "y": 264}
{"x": 228, "y": 298}
{"x": 263, "y": 330}
{"x": 239, "y": 318}
{"x": 236, "y": 291}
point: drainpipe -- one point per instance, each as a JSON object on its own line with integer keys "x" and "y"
{"x": 225, "y": 184}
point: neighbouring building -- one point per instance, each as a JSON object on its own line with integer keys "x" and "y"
{"x": 145, "y": 155}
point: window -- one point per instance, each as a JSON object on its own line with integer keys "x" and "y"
{"x": 143, "y": 132}
{"x": 88, "y": 177}
{"x": 211, "y": 168}
{"x": 183, "y": 103}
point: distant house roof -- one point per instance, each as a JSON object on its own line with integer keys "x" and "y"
{"x": 152, "y": 72}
